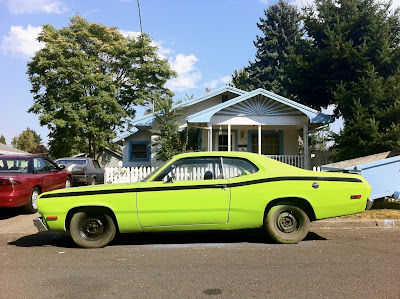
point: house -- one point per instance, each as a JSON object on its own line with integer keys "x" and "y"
{"x": 230, "y": 119}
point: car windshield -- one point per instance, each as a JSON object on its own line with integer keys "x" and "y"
{"x": 14, "y": 165}
{"x": 66, "y": 162}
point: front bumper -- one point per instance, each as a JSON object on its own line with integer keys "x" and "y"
{"x": 370, "y": 202}
{"x": 39, "y": 224}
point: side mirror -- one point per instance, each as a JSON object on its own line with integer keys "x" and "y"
{"x": 170, "y": 179}
{"x": 61, "y": 167}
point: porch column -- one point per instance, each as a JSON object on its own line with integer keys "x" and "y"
{"x": 259, "y": 139}
{"x": 306, "y": 149}
{"x": 210, "y": 139}
{"x": 229, "y": 138}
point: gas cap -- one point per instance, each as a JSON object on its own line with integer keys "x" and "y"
{"x": 315, "y": 185}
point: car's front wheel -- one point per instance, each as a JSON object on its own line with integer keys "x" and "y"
{"x": 287, "y": 224}
{"x": 92, "y": 229}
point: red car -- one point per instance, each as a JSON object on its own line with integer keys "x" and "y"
{"x": 24, "y": 177}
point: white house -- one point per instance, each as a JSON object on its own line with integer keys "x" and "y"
{"x": 230, "y": 119}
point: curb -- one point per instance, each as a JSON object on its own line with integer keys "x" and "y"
{"x": 351, "y": 224}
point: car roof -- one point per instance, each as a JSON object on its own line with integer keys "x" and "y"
{"x": 74, "y": 158}
{"x": 19, "y": 156}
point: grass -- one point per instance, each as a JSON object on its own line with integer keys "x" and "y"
{"x": 381, "y": 209}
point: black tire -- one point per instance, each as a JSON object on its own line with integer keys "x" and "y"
{"x": 92, "y": 229}
{"x": 31, "y": 206}
{"x": 287, "y": 224}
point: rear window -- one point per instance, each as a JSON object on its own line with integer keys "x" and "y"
{"x": 67, "y": 162}
{"x": 14, "y": 165}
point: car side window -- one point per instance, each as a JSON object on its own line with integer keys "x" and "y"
{"x": 39, "y": 166}
{"x": 234, "y": 167}
{"x": 96, "y": 164}
{"x": 192, "y": 169}
{"x": 50, "y": 166}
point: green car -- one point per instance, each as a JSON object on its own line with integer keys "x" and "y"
{"x": 206, "y": 191}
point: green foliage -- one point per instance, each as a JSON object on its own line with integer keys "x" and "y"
{"x": 3, "y": 139}
{"x": 87, "y": 80}
{"x": 345, "y": 40}
{"x": 281, "y": 31}
{"x": 241, "y": 80}
{"x": 25, "y": 141}
{"x": 169, "y": 141}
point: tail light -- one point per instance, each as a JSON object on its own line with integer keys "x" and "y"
{"x": 11, "y": 183}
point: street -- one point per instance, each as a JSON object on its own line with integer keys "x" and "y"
{"x": 330, "y": 263}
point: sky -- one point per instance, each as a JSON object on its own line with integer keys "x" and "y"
{"x": 203, "y": 40}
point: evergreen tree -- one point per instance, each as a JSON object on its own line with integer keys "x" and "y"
{"x": 3, "y": 139}
{"x": 345, "y": 40}
{"x": 281, "y": 31}
{"x": 241, "y": 80}
{"x": 169, "y": 141}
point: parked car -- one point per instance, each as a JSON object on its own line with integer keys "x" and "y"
{"x": 206, "y": 191}
{"x": 85, "y": 171}
{"x": 24, "y": 177}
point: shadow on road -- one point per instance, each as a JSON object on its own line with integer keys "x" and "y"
{"x": 43, "y": 239}
{"x": 7, "y": 213}
{"x": 63, "y": 239}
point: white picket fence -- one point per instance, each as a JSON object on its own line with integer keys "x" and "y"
{"x": 115, "y": 175}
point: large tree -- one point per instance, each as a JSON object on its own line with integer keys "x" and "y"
{"x": 280, "y": 32}
{"x": 87, "y": 80}
{"x": 345, "y": 40}
{"x": 3, "y": 139}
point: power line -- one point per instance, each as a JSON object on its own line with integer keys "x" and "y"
{"x": 140, "y": 18}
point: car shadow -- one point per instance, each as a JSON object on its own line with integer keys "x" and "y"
{"x": 8, "y": 213}
{"x": 44, "y": 239}
{"x": 63, "y": 239}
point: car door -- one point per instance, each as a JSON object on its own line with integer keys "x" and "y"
{"x": 190, "y": 191}
{"x": 58, "y": 176}
{"x": 43, "y": 173}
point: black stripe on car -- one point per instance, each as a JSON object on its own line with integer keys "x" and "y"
{"x": 170, "y": 187}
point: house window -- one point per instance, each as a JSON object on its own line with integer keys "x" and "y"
{"x": 225, "y": 98}
{"x": 139, "y": 151}
{"x": 222, "y": 141}
{"x": 270, "y": 143}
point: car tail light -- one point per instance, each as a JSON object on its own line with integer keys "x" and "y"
{"x": 6, "y": 183}
{"x": 11, "y": 183}
{"x": 358, "y": 196}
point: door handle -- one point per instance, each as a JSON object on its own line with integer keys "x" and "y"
{"x": 222, "y": 186}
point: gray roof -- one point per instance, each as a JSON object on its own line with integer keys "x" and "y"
{"x": 9, "y": 150}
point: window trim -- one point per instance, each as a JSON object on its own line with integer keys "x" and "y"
{"x": 147, "y": 143}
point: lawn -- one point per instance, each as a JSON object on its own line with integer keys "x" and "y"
{"x": 381, "y": 209}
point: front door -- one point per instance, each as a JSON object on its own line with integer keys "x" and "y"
{"x": 188, "y": 192}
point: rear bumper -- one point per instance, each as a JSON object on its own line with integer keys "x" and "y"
{"x": 39, "y": 224}
{"x": 14, "y": 199}
{"x": 370, "y": 202}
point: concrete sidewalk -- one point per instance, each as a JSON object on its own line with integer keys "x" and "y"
{"x": 334, "y": 223}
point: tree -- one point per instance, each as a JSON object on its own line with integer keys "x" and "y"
{"x": 87, "y": 80}
{"x": 25, "y": 141}
{"x": 345, "y": 40}
{"x": 3, "y": 139}
{"x": 241, "y": 80}
{"x": 169, "y": 141}
{"x": 281, "y": 31}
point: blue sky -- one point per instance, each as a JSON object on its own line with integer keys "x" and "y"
{"x": 204, "y": 41}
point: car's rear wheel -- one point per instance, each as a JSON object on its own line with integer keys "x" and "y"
{"x": 31, "y": 206}
{"x": 287, "y": 224}
{"x": 92, "y": 229}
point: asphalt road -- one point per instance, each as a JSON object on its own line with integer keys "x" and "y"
{"x": 330, "y": 263}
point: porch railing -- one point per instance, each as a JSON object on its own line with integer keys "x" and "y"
{"x": 294, "y": 160}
